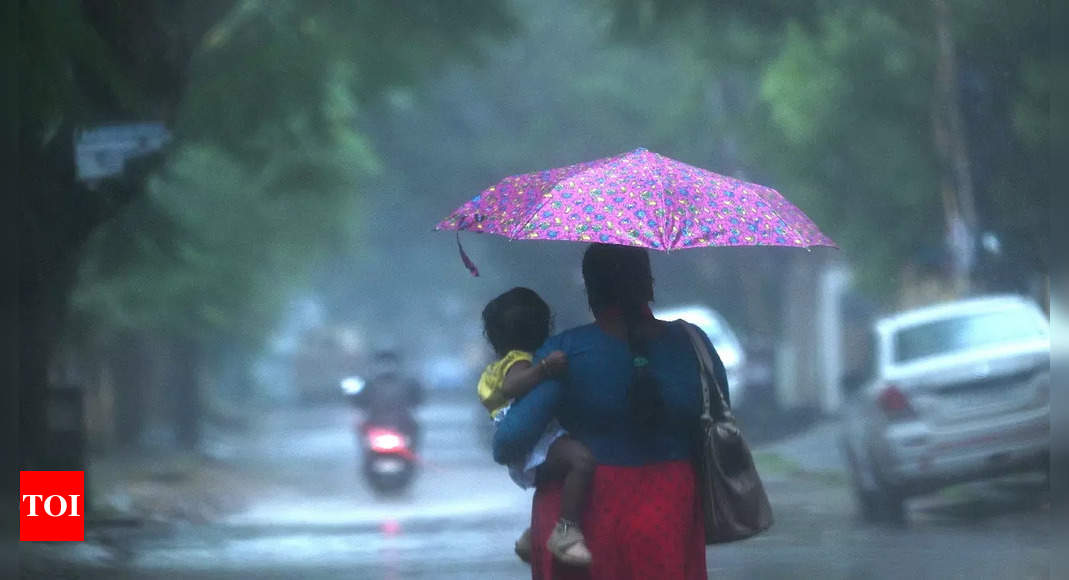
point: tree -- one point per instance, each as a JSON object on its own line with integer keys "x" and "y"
{"x": 838, "y": 104}
{"x": 560, "y": 91}
{"x": 240, "y": 83}
{"x": 80, "y": 63}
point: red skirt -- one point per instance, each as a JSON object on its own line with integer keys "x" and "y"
{"x": 640, "y": 523}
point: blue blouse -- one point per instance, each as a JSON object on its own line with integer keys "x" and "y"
{"x": 591, "y": 401}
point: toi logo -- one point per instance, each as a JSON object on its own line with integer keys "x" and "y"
{"x": 51, "y": 506}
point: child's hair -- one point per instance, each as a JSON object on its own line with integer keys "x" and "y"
{"x": 517, "y": 320}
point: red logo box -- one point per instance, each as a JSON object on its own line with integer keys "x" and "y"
{"x": 51, "y": 506}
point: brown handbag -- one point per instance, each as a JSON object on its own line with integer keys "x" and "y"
{"x": 734, "y": 502}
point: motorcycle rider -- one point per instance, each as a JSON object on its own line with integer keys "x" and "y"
{"x": 389, "y": 397}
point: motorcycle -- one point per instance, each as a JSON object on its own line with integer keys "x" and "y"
{"x": 387, "y": 441}
{"x": 389, "y": 464}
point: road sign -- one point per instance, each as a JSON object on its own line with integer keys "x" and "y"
{"x": 103, "y": 151}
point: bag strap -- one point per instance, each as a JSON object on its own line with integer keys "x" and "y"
{"x": 707, "y": 370}
{"x": 695, "y": 343}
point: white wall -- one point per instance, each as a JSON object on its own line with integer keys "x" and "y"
{"x": 809, "y": 358}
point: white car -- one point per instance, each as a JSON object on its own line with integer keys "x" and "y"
{"x": 956, "y": 392}
{"x": 725, "y": 342}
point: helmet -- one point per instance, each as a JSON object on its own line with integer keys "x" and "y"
{"x": 385, "y": 362}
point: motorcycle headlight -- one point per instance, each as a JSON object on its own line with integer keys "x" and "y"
{"x": 352, "y": 385}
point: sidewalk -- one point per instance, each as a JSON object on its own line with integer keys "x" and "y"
{"x": 166, "y": 487}
{"x": 147, "y": 495}
{"x": 815, "y": 450}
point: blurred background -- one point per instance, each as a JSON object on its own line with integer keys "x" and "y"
{"x": 227, "y": 210}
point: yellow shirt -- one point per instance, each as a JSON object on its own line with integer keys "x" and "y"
{"x": 494, "y": 377}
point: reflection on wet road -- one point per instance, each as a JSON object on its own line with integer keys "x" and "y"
{"x": 318, "y": 520}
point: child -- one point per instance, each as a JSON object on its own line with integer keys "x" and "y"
{"x": 516, "y": 324}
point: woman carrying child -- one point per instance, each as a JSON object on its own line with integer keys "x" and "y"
{"x": 631, "y": 395}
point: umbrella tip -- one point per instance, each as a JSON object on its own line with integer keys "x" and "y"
{"x": 640, "y": 150}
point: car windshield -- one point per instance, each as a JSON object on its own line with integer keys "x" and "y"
{"x": 965, "y": 332}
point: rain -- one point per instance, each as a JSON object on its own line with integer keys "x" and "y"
{"x": 251, "y": 286}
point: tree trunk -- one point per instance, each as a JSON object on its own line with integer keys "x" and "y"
{"x": 132, "y": 371}
{"x": 44, "y": 289}
{"x": 57, "y": 214}
{"x": 950, "y": 140}
{"x": 33, "y": 393}
{"x": 50, "y": 241}
{"x": 184, "y": 386}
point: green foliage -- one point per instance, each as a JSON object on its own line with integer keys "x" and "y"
{"x": 830, "y": 102}
{"x": 835, "y": 106}
{"x": 270, "y": 163}
{"x": 557, "y": 93}
{"x": 214, "y": 248}
{"x": 849, "y": 98}
{"x": 91, "y": 62}
{"x": 310, "y": 63}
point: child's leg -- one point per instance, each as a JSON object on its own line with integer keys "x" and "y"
{"x": 572, "y": 461}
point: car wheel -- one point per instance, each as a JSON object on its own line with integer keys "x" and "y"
{"x": 875, "y": 505}
{"x": 885, "y": 507}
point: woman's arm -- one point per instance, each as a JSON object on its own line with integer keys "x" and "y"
{"x": 528, "y": 416}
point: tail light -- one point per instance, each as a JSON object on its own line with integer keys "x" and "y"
{"x": 894, "y": 403}
{"x": 385, "y": 441}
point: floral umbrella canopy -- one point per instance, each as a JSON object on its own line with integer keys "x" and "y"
{"x": 639, "y": 198}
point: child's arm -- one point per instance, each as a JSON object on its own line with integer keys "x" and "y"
{"x": 524, "y": 376}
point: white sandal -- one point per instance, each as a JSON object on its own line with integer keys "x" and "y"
{"x": 523, "y": 546}
{"x": 568, "y": 545}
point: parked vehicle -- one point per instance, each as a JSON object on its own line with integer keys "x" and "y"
{"x": 724, "y": 340}
{"x": 954, "y": 393}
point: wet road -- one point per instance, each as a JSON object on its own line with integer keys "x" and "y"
{"x": 314, "y": 518}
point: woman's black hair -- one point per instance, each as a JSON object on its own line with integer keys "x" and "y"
{"x": 620, "y": 276}
{"x": 517, "y": 320}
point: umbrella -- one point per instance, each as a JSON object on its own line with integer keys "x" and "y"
{"x": 638, "y": 198}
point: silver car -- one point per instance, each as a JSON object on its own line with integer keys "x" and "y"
{"x": 724, "y": 340}
{"x": 956, "y": 392}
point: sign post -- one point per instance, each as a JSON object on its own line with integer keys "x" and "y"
{"x": 103, "y": 151}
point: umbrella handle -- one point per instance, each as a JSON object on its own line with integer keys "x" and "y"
{"x": 467, "y": 261}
